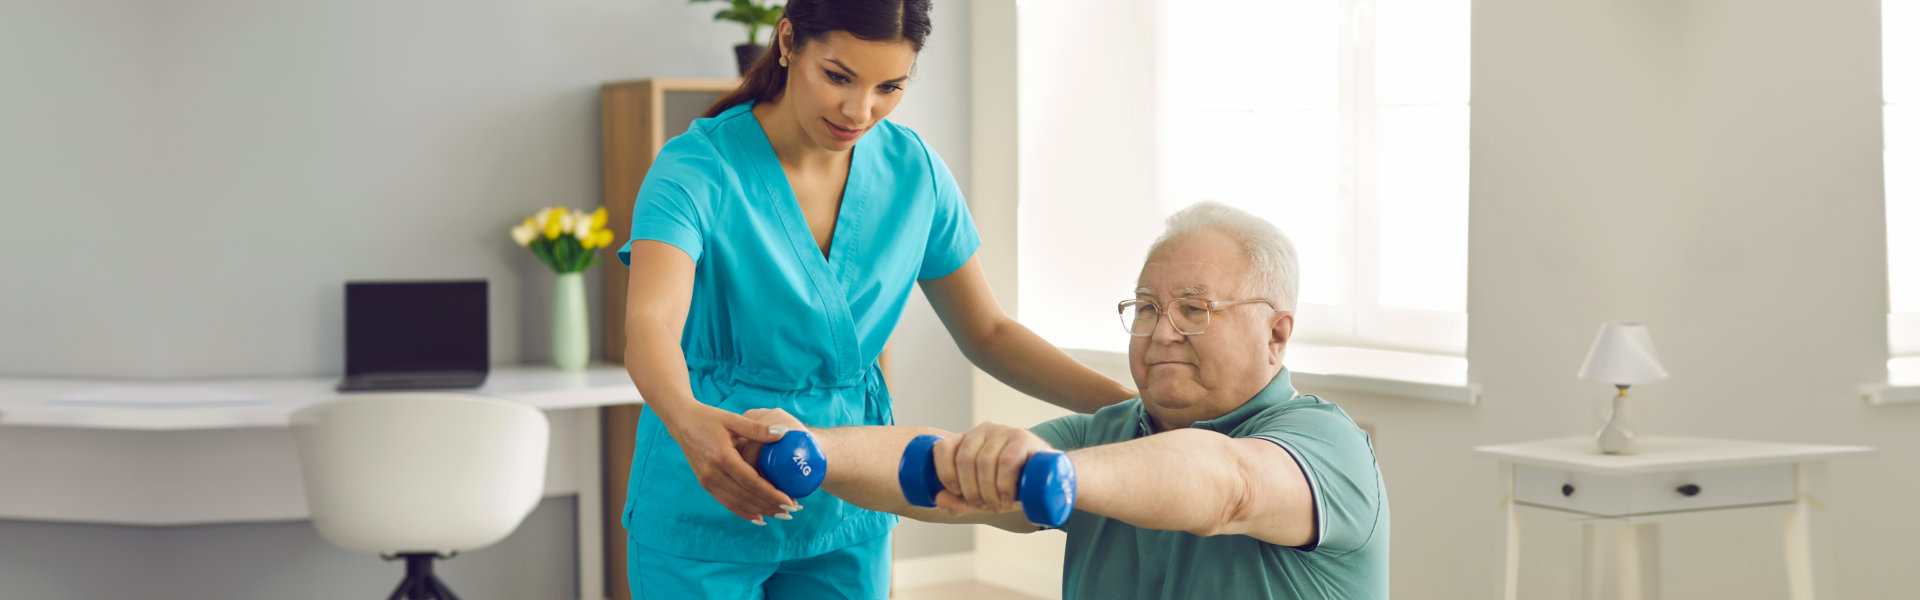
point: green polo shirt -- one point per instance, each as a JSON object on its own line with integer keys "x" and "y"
{"x": 1108, "y": 559}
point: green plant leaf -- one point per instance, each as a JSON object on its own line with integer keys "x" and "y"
{"x": 540, "y": 251}
{"x": 750, "y": 13}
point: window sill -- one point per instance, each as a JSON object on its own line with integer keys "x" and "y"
{"x": 1362, "y": 370}
{"x": 1880, "y": 394}
{"x": 1901, "y": 387}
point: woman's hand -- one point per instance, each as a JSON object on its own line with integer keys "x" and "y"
{"x": 778, "y": 422}
{"x": 712, "y": 439}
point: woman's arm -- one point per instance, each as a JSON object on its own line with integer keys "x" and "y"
{"x": 1009, "y": 351}
{"x": 659, "y": 292}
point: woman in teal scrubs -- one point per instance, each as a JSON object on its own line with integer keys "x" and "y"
{"x": 774, "y": 246}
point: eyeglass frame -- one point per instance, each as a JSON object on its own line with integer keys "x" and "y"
{"x": 1212, "y": 305}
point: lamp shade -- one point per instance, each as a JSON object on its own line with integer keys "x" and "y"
{"x": 1623, "y": 355}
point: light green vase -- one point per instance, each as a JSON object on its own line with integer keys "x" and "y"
{"x": 570, "y": 322}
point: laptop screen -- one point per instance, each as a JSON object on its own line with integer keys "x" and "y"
{"x": 416, "y": 326}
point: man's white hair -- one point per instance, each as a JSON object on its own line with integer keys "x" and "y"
{"x": 1276, "y": 269}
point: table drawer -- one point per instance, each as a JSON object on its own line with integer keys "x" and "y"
{"x": 1617, "y": 495}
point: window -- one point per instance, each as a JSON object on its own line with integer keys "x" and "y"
{"x": 1344, "y": 122}
{"x": 1900, "y": 76}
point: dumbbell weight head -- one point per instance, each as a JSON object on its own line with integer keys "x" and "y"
{"x": 1046, "y": 490}
{"x": 919, "y": 481}
{"x": 794, "y": 464}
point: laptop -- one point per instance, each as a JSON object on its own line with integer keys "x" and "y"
{"x": 416, "y": 335}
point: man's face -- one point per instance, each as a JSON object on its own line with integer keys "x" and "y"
{"x": 1187, "y": 378}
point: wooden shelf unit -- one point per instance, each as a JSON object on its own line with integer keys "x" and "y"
{"x": 636, "y": 119}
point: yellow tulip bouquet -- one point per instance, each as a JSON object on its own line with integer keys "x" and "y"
{"x": 565, "y": 239}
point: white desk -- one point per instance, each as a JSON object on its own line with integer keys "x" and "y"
{"x": 1623, "y": 499}
{"x": 224, "y": 462}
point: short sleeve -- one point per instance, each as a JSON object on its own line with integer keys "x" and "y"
{"x": 1065, "y": 433}
{"x": 1348, "y": 493}
{"x": 672, "y": 199}
{"x": 952, "y": 238}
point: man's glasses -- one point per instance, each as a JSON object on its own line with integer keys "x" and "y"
{"x": 1190, "y": 315}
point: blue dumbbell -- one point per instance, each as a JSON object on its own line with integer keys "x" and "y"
{"x": 1047, "y": 484}
{"x": 794, "y": 464}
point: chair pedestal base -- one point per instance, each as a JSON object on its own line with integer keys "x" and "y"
{"x": 420, "y": 583}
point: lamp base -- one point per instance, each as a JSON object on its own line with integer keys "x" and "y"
{"x": 1616, "y": 437}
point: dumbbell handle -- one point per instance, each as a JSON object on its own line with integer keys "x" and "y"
{"x": 794, "y": 465}
{"x": 1046, "y": 490}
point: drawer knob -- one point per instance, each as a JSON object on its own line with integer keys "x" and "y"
{"x": 1688, "y": 490}
{"x": 1566, "y": 489}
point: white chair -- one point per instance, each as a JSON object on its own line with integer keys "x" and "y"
{"x": 420, "y": 476}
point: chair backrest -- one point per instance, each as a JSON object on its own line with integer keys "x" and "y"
{"x": 420, "y": 472}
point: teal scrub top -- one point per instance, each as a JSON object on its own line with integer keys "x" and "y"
{"x": 774, "y": 324}
{"x": 1108, "y": 559}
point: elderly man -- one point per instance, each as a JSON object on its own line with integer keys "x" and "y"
{"x": 1219, "y": 481}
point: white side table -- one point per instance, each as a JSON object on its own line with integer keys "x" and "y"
{"x": 1626, "y": 497}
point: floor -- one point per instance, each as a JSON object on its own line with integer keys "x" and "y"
{"x": 970, "y": 590}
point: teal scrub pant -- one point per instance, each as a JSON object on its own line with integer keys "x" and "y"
{"x": 859, "y": 572}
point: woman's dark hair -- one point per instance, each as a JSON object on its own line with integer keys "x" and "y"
{"x": 871, "y": 20}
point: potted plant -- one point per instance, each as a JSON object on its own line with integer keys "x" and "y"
{"x": 753, "y": 14}
{"x": 565, "y": 241}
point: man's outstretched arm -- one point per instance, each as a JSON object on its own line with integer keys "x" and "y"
{"x": 1200, "y": 482}
{"x": 1191, "y": 480}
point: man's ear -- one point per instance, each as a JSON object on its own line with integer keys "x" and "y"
{"x": 1282, "y": 333}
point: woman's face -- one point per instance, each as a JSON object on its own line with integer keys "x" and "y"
{"x": 840, "y": 86}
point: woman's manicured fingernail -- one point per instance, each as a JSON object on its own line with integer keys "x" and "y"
{"x": 777, "y": 430}
{"x": 759, "y": 521}
{"x": 783, "y": 517}
{"x": 790, "y": 507}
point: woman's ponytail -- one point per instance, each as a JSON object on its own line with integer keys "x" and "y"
{"x": 763, "y": 82}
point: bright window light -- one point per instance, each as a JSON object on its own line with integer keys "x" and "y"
{"x": 1900, "y": 88}
{"x": 1343, "y": 122}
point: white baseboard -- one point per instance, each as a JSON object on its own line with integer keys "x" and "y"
{"x": 932, "y": 570}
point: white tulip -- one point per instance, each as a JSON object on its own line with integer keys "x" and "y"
{"x": 540, "y": 219}
{"x": 523, "y": 234}
{"x": 566, "y": 220}
{"x": 583, "y": 229}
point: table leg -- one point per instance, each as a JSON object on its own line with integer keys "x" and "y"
{"x": 1809, "y": 558}
{"x": 1511, "y": 541}
{"x": 1629, "y": 570}
{"x": 1593, "y": 576}
{"x": 1638, "y": 551}
{"x": 587, "y": 515}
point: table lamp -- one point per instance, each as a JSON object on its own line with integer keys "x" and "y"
{"x": 1623, "y": 356}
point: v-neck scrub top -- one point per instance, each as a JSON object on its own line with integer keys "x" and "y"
{"x": 774, "y": 324}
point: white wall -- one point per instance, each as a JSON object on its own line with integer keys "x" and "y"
{"x": 1708, "y": 167}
